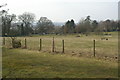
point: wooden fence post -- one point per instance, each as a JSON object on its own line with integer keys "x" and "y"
{"x": 63, "y": 46}
{"x": 12, "y": 43}
{"x": 40, "y": 45}
{"x": 25, "y": 43}
{"x": 94, "y": 47}
{"x": 3, "y": 41}
{"x": 53, "y": 45}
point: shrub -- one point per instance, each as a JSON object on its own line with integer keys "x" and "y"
{"x": 16, "y": 43}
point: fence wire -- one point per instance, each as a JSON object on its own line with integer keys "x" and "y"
{"x": 75, "y": 46}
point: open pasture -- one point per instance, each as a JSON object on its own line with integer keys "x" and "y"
{"x": 32, "y": 63}
{"x": 80, "y": 46}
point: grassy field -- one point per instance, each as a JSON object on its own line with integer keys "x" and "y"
{"x": 31, "y": 63}
{"x": 76, "y": 45}
{"x": 22, "y": 63}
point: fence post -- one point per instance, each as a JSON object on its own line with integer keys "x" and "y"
{"x": 40, "y": 45}
{"x": 53, "y": 45}
{"x": 25, "y": 43}
{"x": 94, "y": 47}
{"x": 3, "y": 41}
{"x": 63, "y": 46}
{"x": 12, "y": 43}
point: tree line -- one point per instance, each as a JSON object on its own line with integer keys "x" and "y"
{"x": 24, "y": 25}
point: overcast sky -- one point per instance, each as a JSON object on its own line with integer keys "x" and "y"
{"x": 63, "y": 10}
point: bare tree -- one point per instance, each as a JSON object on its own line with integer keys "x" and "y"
{"x": 6, "y": 23}
{"x": 27, "y": 19}
{"x": 81, "y": 28}
{"x": 3, "y": 11}
{"x": 45, "y": 25}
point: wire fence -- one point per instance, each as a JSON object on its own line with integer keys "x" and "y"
{"x": 74, "y": 46}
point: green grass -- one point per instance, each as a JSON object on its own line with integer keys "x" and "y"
{"x": 23, "y": 63}
{"x": 83, "y": 44}
{"x": 31, "y": 63}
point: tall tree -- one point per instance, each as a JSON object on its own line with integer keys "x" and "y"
{"x": 114, "y": 25}
{"x": 72, "y": 25}
{"x": 88, "y": 18}
{"x": 107, "y": 25}
{"x": 88, "y": 24}
{"x": 80, "y": 28}
{"x": 84, "y": 26}
{"x": 1, "y": 14}
{"x": 6, "y": 24}
{"x": 45, "y": 25}
{"x": 94, "y": 25}
{"x": 69, "y": 27}
{"x": 27, "y": 19}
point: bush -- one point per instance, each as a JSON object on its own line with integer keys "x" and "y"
{"x": 16, "y": 43}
